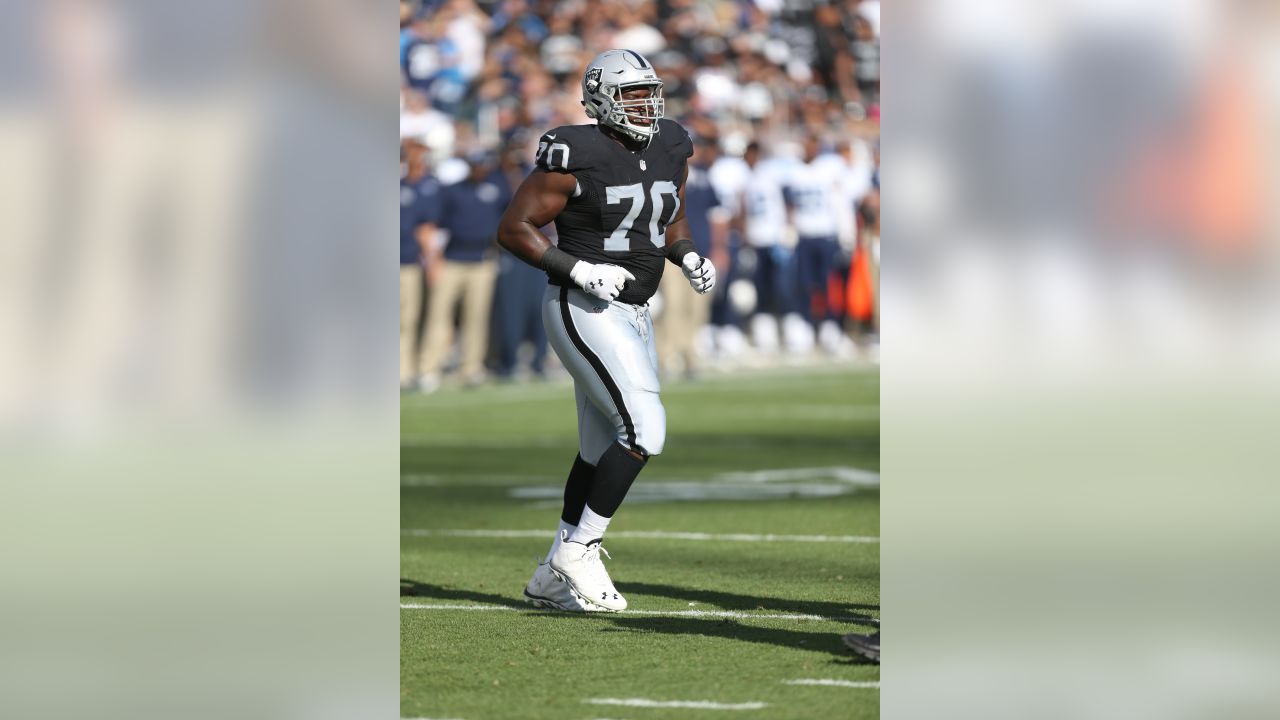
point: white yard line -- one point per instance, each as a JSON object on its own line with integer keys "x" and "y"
{"x": 835, "y": 683}
{"x": 773, "y": 484}
{"x": 850, "y": 475}
{"x": 691, "y": 704}
{"x": 646, "y": 613}
{"x": 649, "y": 535}
{"x": 420, "y": 606}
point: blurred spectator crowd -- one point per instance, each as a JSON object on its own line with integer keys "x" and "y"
{"x": 782, "y": 98}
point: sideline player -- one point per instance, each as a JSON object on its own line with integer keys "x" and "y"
{"x": 813, "y": 209}
{"x": 763, "y": 217}
{"x": 615, "y": 190}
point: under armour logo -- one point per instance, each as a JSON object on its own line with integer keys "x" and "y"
{"x": 605, "y": 596}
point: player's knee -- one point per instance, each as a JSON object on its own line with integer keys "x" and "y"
{"x": 651, "y": 428}
{"x": 652, "y": 445}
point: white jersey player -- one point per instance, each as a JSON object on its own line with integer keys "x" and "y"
{"x": 851, "y": 169}
{"x": 813, "y": 203}
{"x": 763, "y": 217}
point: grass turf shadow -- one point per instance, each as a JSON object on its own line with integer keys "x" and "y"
{"x": 726, "y": 628}
{"x": 731, "y": 601}
{"x": 415, "y": 589}
{"x": 708, "y": 627}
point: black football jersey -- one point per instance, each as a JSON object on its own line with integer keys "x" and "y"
{"x": 625, "y": 201}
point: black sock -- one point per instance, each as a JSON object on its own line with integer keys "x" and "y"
{"x": 576, "y": 489}
{"x": 615, "y": 472}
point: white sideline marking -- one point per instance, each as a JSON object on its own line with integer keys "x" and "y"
{"x": 434, "y": 479}
{"x": 728, "y": 485}
{"x": 692, "y": 704}
{"x": 774, "y": 484}
{"x": 648, "y": 535}
{"x": 651, "y": 613}
{"x": 835, "y": 683}
{"x": 851, "y": 475}
{"x": 418, "y": 606}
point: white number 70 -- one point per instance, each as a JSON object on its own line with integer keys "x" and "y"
{"x": 617, "y": 240}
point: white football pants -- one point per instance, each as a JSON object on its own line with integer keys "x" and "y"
{"x": 609, "y": 350}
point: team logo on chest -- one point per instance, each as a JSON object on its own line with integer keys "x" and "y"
{"x": 643, "y": 166}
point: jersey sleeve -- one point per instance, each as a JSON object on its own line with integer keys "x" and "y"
{"x": 565, "y": 149}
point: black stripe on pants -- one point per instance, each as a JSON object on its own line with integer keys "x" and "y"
{"x": 614, "y": 391}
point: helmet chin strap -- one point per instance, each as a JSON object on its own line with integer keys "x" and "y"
{"x": 625, "y": 138}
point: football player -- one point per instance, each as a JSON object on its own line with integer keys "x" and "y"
{"x": 813, "y": 207}
{"x": 615, "y": 190}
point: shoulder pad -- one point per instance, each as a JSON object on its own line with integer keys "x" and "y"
{"x": 568, "y": 148}
{"x": 676, "y": 138}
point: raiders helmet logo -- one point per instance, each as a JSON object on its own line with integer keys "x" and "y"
{"x": 593, "y": 79}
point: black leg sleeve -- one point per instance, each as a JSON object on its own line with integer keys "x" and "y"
{"x": 616, "y": 471}
{"x": 576, "y": 489}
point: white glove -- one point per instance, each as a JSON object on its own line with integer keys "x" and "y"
{"x": 603, "y": 281}
{"x": 699, "y": 271}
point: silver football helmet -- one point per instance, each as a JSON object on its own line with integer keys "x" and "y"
{"x": 612, "y": 73}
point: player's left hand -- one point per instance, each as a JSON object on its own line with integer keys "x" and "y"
{"x": 699, "y": 271}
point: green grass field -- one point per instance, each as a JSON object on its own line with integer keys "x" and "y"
{"x": 781, "y": 453}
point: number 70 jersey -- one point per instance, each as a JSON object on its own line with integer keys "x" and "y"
{"x": 624, "y": 200}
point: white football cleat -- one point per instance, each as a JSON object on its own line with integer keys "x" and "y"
{"x": 546, "y": 590}
{"x": 580, "y": 566}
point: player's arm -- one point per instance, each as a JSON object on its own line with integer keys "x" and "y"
{"x": 430, "y": 211}
{"x": 538, "y": 200}
{"x": 789, "y": 202}
{"x": 426, "y": 236}
{"x": 739, "y": 221}
{"x": 699, "y": 271}
{"x": 721, "y": 220}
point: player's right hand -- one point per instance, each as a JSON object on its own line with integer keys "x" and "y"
{"x": 603, "y": 281}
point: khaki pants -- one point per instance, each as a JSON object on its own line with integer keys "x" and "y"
{"x": 472, "y": 283}
{"x": 411, "y": 281}
{"x": 684, "y": 313}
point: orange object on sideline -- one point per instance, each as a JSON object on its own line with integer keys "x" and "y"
{"x": 861, "y": 299}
